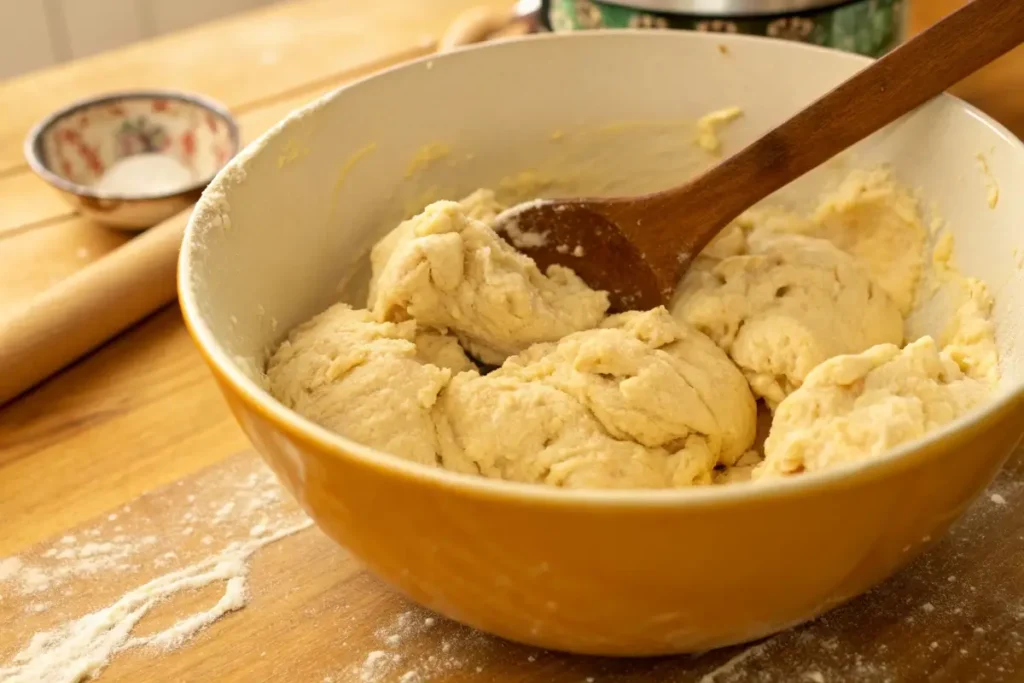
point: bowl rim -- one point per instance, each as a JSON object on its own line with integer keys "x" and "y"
{"x": 233, "y": 380}
{"x": 33, "y": 143}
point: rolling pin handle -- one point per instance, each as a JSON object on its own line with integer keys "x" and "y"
{"x": 478, "y": 24}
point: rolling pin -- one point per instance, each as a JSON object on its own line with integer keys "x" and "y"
{"x": 478, "y": 24}
{"x": 76, "y": 315}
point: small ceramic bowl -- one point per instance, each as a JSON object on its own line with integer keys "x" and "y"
{"x": 590, "y": 571}
{"x": 187, "y": 139}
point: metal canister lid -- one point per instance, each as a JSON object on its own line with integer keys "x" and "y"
{"x": 730, "y": 8}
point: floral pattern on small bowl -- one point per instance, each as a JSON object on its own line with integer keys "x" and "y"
{"x": 74, "y": 147}
{"x": 89, "y": 139}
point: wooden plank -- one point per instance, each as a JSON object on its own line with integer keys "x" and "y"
{"x": 238, "y": 60}
{"x": 26, "y": 200}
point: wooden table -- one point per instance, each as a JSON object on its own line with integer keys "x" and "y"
{"x": 137, "y": 432}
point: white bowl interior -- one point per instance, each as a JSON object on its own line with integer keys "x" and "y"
{"x": 285, "y": 229}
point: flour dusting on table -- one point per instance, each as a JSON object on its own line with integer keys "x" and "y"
{"x": 81, "y": 647}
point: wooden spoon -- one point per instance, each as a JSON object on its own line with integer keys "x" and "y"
{"x": 637, "y": 248}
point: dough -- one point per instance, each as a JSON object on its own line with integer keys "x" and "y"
{"x": 805, "y": 312}
{"x": 642, "y": 401}
{"x": 374, "y": 382}
{"x": 441, "y": 350}
{"x": 450, "y": 271}
{"x": 480, "y": 205}
{"x": 851, "y": 408}
{"x": 785, "y": 304}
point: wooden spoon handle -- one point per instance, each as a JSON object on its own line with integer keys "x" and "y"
{"x": 84, "y": 310}
{"x": 907, "y": 77}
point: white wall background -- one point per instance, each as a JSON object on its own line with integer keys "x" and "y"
{"x": 38, "y": 33}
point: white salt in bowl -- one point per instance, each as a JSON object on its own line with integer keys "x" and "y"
{"x": 132, "y": 159}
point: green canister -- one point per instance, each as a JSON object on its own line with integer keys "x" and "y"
{"x": 868, "y": 27}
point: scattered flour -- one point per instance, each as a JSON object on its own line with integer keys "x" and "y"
{"x": 376, "y": 664}
{"x": 507, "y": 222}
{"x": 525, "y": 239}
{"x": 223, "y": 512}
{"x": 81, "y": 648}
{"x": 417, "y": 647}
{"x": 732, "y": 664}
{"x": 9, "y": 568}
{"x": 67, "y": 562}
{"x": 259, "y": 529}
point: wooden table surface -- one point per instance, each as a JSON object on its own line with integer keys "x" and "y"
{"x": 138, "y": 427}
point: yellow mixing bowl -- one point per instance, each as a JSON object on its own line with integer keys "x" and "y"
{"x": 285, "y": 229}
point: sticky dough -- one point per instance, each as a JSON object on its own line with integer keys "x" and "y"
{"x": 450, "y": 271}
{"x": 852, "y": 408}
{"x": 375, "y": 382}
{"x": 641, "y": 401}
{"x": 784, "y": 306}
{"x": 803, "y": 311}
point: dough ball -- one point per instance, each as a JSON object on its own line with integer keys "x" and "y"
{"x": 856, "y": 407}
{"x": 642, "y": 402}
{"x": 481, "y": 205}
{"x": 449, "y": 271}
{"x": 699, "y": 375}
{"x": 787, "y": 304}
{"x": 373, "y": 382}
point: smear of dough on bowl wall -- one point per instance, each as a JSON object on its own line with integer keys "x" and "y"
{"x": 465, "y": 355}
